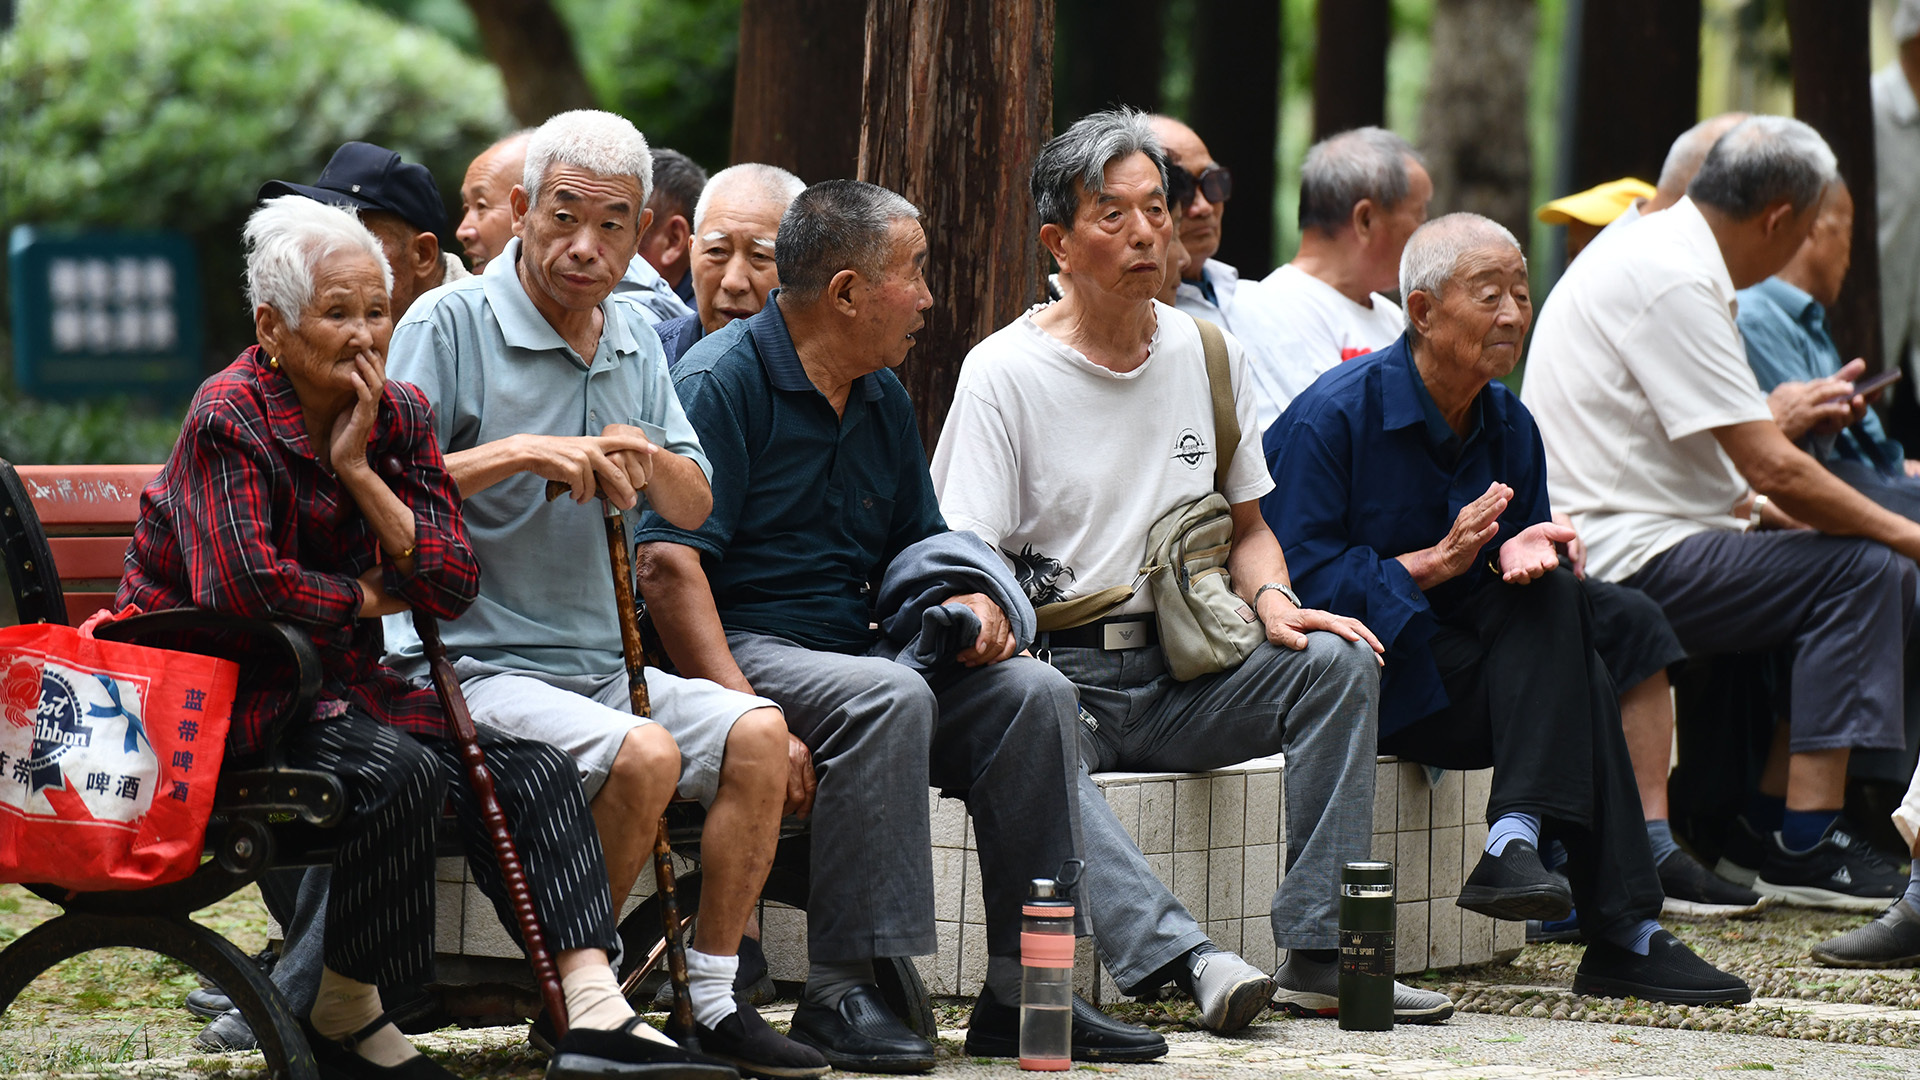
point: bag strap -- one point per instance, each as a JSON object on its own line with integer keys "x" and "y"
{"x": 1081, "y": 610}
{"x": 1226, "y": 425}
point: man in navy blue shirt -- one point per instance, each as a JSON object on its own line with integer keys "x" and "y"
{"x": 1412, "y": 494}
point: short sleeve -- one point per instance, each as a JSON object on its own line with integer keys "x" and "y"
{"x": 976, "y": 473}
{"x": 1247, "y": 477}
{"x": 1685, "y": 352}
{"x": 421, "y": 353}
{"x": 717, "y": 421}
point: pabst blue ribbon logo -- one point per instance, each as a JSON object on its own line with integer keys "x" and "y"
{"x": 79, "y": 732}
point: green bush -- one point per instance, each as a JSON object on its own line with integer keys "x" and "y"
{"x": 172, "y": 113}
{"x": 87, "y": 433}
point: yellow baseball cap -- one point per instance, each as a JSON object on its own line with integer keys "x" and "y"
{"x": 1597, "y": 205}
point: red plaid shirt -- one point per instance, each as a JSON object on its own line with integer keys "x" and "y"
{"x": 244, "y": 520}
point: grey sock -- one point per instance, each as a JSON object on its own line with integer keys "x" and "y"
{"x": 828, "y": 983}
{"x": 1003, "y": 978}
{"x": 1660, "y": 837}
{"x": 1913, "y": 885}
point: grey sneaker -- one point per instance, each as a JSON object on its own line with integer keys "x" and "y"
{"x": 1892, "y": 940}
{"x": 228, "y": 1034}
{"x": 1231, "y": 993}
{"x": 1307, "y": 988}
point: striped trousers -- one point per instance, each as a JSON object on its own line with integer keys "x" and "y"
{"x": 380, "y": 919}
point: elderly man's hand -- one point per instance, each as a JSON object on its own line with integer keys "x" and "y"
{"x": 1476, "y": 524}
{"x": 1531, "y": 554}
{"x": 1287, "y": 626}
{"x": 1576, "y": 547}
{"x": 801, "y": 783}
{"x": 995, "y": 642}
{"x": 585, "y": 463}
{"x": 637, "y": 463}
{"x": 1824, "y": 406}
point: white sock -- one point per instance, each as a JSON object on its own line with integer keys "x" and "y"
{"x": 344, "y": 1006}
{"x": 710, "y": 985}
{"x": 594, "y": 1001}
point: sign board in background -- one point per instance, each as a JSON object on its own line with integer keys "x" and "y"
{"x": 104, "y": 313}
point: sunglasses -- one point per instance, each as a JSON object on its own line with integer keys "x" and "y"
{"x": 1216, "y": 183}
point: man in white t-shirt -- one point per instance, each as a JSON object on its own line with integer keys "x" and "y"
{"x": 1362, "y": 193}
{"x": 1656, "y": 433}
{"x": 1073, "y": 430}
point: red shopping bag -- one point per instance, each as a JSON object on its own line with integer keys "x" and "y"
{"x": 109, "y": 755}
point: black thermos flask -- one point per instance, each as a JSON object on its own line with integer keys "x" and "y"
{"x": 1366, "y": 946}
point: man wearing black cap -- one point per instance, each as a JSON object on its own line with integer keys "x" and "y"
{"x": 398, "y": 202}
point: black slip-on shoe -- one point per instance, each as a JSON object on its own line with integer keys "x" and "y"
{"x": 861, "y": 1034}
{"x": 1840, "y": 873}
{"x": 339, "y": 1061}
{"x": 994, "y": 1031}
{"x": 599, "y": 1054}
{"x": 1693, "y": 891}
{"x": 1669, "y": 973}
{"x": 744, "y": 1041}
{"x": 1742, "y": 851}
{"x": 1892, "y": 940}
{"x": 1516, "y": 886}
{"x": 210, "y": 1004}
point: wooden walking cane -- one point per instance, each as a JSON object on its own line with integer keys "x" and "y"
{"x": 635, "y": 654}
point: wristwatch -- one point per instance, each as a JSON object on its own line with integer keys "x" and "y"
{"x": 1292, "y": 597}
{"x": 1760, "y": 503}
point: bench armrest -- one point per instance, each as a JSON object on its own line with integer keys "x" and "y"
{"x": 161, "y": 629}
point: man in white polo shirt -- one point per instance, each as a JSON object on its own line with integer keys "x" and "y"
{"x": 1657, "y": 436}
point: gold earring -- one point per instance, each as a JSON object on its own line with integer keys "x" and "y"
{"x": 273, "y": 362}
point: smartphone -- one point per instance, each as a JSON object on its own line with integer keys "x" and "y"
{"x": 1873, "y": 385}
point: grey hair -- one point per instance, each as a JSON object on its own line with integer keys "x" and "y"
{"x": 1762, "y": 160}
{"x": 599, "y": 142}
{"x": 677, "y": 181}
{"x": 1340, "y": 170}
{"x": 832, "y": 226}
{"x": 287, "y": 237}
{"x": 1076, "y": 161}
{"x": 770, "y": 182}
{"x": 1906, "y": 21}
{"x": 1690, "y": 149}
{"x": 1433, "y": 253}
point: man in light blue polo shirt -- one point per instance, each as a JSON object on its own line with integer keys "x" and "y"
{"x": 538, "y": 372}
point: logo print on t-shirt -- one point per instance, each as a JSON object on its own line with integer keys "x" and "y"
{"x": 1190, "y": 448}
{"x": 1348, "y": 352}
{"x": 1040, "y": 576}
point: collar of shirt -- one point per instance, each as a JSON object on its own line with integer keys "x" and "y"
{"x": 1216, "y": 284}
{"x": 1891, "y": 87}
{"x": 777, "y": 354}
{"x": 1406, "y": 401}
{"x": 1796, "y": 302}
{"x": 284, "y": 417}
{"x": 523, "y": 327}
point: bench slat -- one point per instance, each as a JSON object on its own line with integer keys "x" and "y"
{"x": 81, "y": 557}
{"x": 66, "y": 496}
{"x": 82, "y": 604}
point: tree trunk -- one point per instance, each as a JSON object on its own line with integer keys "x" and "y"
{"x": 1831, "y": 68}
{"x": 957, "y": 101}
{"x": 533, "y": 48}
{"x": 1636, "y": 90}
{"x": 1107, "y": 53}
{"x": 796, "y": 92}
{"x": 1473, "y": 128}
{"x": 1236, "y": 110}
{"x": 1350, "y": 66}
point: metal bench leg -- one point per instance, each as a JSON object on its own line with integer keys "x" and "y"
{"x": 281, "y": 1041}
{"x": 670, "y": 928}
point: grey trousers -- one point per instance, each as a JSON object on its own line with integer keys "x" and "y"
{"x": 1900, "y": 494}
{"x": 1000, "y": 737}
{"x": 1319, "y": 706}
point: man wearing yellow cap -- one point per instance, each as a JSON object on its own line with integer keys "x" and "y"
{"x": 1585, "y": 213}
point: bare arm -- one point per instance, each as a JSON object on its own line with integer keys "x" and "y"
{"x": 680, "y": 601}
{"x": 1783, "y": 472}
{"x": 1253, "y": 560}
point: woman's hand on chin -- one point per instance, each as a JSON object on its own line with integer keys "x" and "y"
{"x": 354, "y": 427}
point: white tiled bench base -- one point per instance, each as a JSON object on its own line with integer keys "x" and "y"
{"x": 1215, "y": 838}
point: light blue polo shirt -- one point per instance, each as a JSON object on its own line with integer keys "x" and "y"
{"x": 493, "y": 367}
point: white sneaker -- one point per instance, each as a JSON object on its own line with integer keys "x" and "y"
{"x": 1231, "y": 993}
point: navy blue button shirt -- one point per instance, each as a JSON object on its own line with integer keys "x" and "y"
{"x": 809, "y": 507}
{"x": 1367, "y": 469}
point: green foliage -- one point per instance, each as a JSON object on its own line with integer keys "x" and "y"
{"x": 667, "y": 65}
{"x": 86, "y": 433}
{"x": 172, "y": 113}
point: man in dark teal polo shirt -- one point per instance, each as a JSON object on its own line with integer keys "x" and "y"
{"x": 819, "y": 482}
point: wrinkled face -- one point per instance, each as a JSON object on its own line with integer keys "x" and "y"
{"x": 1479, "y": 321}
{"x": 577, "y": 241}
{"x": 1395, "y": 225}
{"x": 396, "y": 240}
{"x": 1200, "y": 225}
{"x": 891, "y": 307}
{"x": 1828, "y": 250}
{"x": 733, "y": 268}
{"x": 347, "y": 315}
{"x": 486, "y": 223}
{"x": 1120, "y": 236}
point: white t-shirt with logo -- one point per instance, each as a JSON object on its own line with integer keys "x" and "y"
{"x": 1064, "y": 465}
{"x": 1636, "y": 360}
{"x": 1316, "y": 328}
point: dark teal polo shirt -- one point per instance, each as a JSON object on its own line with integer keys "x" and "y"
{"x": 808, "y": 507}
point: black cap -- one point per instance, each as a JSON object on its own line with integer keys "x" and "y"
{"x": 373, "y": 177}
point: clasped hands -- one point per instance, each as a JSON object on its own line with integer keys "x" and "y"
{"x": 1522, "y": 559}
{"x": 618, "y": 463}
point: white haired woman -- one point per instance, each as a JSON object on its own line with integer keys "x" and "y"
{"x": 269, "y": 508}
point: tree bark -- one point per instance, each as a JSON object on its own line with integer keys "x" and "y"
{"x": 958, "y": 99}
{"x": 1637, "y": 87}
{"x": 533, "y": 48}
{"x": 1107, "y": 53}
{"x": 1473, "y": 127}
{"x": 796, "y": 92}
{"x": 1831, "y": 68}
{"x": 1350, "y": 66}
{"x": 1236, "y": 110}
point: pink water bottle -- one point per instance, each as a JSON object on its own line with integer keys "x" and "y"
{"x": 1046, "y": 985}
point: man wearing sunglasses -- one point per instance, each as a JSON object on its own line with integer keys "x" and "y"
{"x": 1210, "y": 284}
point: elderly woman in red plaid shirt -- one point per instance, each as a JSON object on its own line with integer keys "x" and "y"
{"x": 270, "y": 508}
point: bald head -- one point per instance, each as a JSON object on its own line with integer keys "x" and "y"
{"x": 1685, "y": 157}
{"x": 486, "y": 223}
{"x": 1200, "y": 225}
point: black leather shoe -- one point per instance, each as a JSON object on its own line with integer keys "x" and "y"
{"x": 208, "y": 1003}
{"x": 339, "y": 1061}
{"x": 1892, "y": 940}
{"x": 861, "y": 1035}
{"x": 1670, "y": 973}
{"x": 228, "y": 1034}
{"x": 994, "y": 1031}
{"x": 1516, "y": 886}
{"x": 744, "y": 1041}
{"x": 597, "y": 1054}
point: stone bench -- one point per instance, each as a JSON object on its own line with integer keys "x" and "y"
{"x": 1215, "y": 838}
